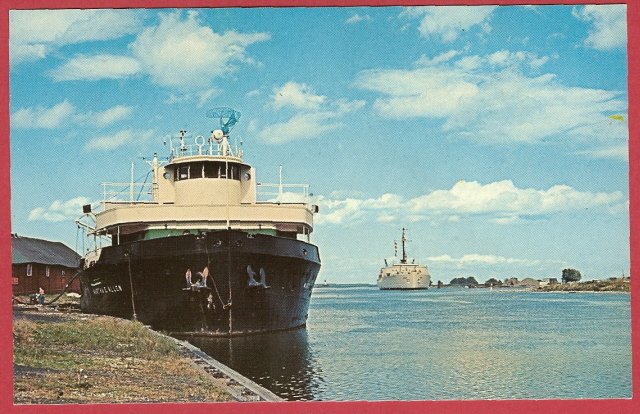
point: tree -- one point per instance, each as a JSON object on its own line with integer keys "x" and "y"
{"x": 471, "y": 281}
{"x": 571, "y": 275}
{"x": 461, "y": 281}
{"x": 492, "y": 282}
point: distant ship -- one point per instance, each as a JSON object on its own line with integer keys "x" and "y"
{"x": 202, "y": 255}
{"x": 404, "y": 275}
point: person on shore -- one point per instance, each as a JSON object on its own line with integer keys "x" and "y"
{"x": 41, "y": 296}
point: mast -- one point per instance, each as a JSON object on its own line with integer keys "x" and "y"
{"x": 404, "y": 252}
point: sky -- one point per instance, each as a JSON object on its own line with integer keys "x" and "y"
{"x": 486, "y": 131}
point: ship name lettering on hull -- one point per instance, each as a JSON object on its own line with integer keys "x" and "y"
{"x": 106, "y": 289}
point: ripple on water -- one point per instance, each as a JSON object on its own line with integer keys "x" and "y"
{"x": 366, "y": 344}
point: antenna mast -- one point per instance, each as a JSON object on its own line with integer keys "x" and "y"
{"x": 404, "y": 252}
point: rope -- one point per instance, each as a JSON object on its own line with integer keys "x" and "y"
{"x": 142, "y": 186}
{"x": 133, "y": 303}
{"x": 215, "y": 287}
{"x": 229, "y": 277}
{"x": 51, "y": 302}
{"x": 226, "y": 161}
{"x": 65, "y": 288}
{"x": 15, "y": 299}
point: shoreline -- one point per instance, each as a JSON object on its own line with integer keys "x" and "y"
{"x": 30, "y": 380}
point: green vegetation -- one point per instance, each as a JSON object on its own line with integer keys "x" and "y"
{"x": 104, "y": 360}
{"x": 611, "y": 285}
{"x": 571, "y": 275}
{"x": 461, "y": 281}
{"x": 493, "y": 282}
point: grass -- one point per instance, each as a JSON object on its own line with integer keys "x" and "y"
{"x": 104, "y": 360}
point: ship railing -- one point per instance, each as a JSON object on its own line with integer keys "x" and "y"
{"x": 283, "y": 193}
{"x": 131, "y": 192}
{"x": 202, "y": 148}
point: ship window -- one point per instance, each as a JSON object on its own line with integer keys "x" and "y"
{"x": 215, "y": 169}
{"x": 182, "y": 172}
{"x": 211, "y": 170}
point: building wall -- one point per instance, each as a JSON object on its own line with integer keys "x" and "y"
{"x": 58, "y": 277}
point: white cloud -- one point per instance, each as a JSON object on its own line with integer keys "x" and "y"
{"x": 202, "y": 97}
{"x": 609, "y": 29}
{"x": 491, "y": 99}
{"x": 441, "y": 58}
{"x": 500, "y": 202}
{"x": 65, "y": 113}
{"x": 177, "y": 53}
{"x": 316, "y": 114}
{"x": 34, "y": 34}
{"x": 296, "y": 95}
{"x": 119, "y": 139}
{"x": 506, "y": 219}
{"x": 505, "y": 58}
{"x": 41, "y": 117}
{"x": 475, "y": 259}
{"x": 356, "y": 18}
{"x": 386, "y": 218}
{"x": 618, "y": 152}
{"x": 447, "y": 22}
{"x": 503, "y": 196}
{"x": 300, "y": 126}
{"x": 106, "y": 117}
{"x": 338, "y": 211}
{"x": 59, "y": 210}
{"x": 96, "y": 67}
{"x": 27, "y": 53}
{"x": 184, "y": 54}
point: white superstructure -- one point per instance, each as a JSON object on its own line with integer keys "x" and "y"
{"x": 204, "y": 186}
{"x": 404, "y": 275}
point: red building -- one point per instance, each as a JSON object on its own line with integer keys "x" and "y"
{"x": 43, "y": 264}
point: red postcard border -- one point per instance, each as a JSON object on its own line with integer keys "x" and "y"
{"x": 495, "y": 407}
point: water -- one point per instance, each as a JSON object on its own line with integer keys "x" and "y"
{"x": 365, "y": 344}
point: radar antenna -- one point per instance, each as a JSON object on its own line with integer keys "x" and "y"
{"x": 228, "y": 117}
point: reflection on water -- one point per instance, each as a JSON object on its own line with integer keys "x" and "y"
{"x": 281, "y": 362}
{"x": 365, "y": 344}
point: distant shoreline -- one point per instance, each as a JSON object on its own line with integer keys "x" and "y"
{"x": 585, "y": 287}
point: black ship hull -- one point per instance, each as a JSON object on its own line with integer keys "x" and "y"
{"x": 256, "y": 283}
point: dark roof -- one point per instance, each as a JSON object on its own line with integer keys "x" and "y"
{"x": 28, "y": 250}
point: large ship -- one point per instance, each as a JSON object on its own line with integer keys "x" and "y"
{"x": 404, "y": 275}
{"x": 203, "y": 255}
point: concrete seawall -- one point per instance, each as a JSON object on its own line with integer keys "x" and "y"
{"x": 241, "y": 387}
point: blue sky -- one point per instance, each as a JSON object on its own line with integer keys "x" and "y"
{"x": 485, "y": 131}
